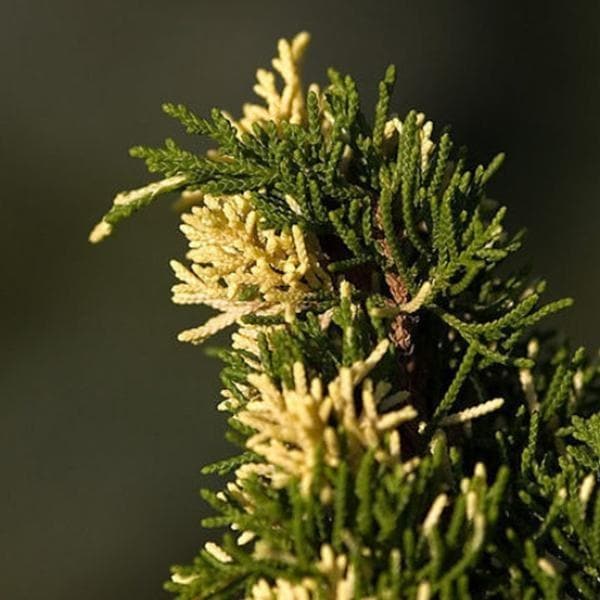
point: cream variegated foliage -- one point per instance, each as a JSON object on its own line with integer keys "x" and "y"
{"x": 239, "y": 268}
{"x": 282, "y": 589}
{"x": 291, "y": 425}
{"x": 336, "y": 570}
{"x": 287, "y": 104}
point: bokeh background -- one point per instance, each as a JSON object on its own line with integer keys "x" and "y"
{"x": 105, "y": 418}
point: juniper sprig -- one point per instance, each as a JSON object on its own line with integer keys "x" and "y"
{"x": 403, "y": 431}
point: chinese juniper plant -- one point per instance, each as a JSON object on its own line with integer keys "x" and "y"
{"x": 402, "y": 432}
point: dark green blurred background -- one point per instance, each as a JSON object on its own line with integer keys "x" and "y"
{"x": 105, "y": 418}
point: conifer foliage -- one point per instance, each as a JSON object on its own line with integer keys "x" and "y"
{"x": 401, "y": 430}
